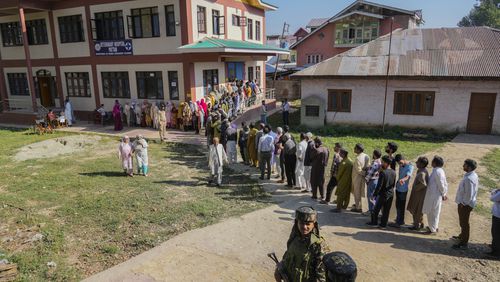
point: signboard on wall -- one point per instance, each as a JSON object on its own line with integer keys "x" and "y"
{"x": 113, "y": 47}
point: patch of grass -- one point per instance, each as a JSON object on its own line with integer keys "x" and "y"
{"x": 93, "y": 217}
{"x": 488, "y": 181}
{"x": 371, "y": 137}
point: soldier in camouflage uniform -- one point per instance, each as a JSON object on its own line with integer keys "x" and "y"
{"x": 302, "y": 261}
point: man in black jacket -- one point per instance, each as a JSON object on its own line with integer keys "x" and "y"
{"x": 384, "y": 191}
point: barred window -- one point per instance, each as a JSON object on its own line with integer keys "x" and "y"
{"x": 312, "y": 111}
{"x": 37, "y": 32}
{"x": 11, "y": 34}
{"x": 115, "y": 84}
{"x": 202, "y": 19}
{"x": 173, "y": 85}
{"x": 250, "y": 29}
{"x": 257, "y": 30}
{"x": 144, "y": 23}
{"x": 18, "y": 84}
{"x": 78, "y": 84}
{"x": 170, "y": 19}
{"x": 149, "y": 84}
{"x": 109, "y": 25}
{"x": 71, "y": 29}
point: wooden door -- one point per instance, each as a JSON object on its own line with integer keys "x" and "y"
{"x": 44, "y": 84}
{"x": 481, "y": 112}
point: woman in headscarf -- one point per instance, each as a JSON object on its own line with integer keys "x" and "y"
{"x": 125, "y": 155}
{"x": 117, "y": 116}
{"x": 140, "y": 148}
{"x": 168, "y": 114}
{"x": 174, "y": 118}
{"x": 68, "y": 112}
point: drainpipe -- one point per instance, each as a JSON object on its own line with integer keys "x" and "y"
{"x": 387, "y": 76}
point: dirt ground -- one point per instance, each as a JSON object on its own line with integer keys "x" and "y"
{"x": 235, "y": 250}
{"x": 56, "y": 147}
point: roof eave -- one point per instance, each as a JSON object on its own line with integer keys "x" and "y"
{"x": 231, "y": 50}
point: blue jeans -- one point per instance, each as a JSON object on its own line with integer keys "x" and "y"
{"x": 263, "y": 119}
{"x": 372, "y": 184}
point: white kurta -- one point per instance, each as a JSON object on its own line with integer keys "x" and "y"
{"x": 436, "y": 189}
{"x": 216, "y": 158}
{"x": 68, "y": 112}
{"x": 299, "y": 169}
{"x": 125, "y": 155}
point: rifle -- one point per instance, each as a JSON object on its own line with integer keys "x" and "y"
{"x": 283, "y": 275}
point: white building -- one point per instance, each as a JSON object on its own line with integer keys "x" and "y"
{"x": 101, "y": 50}
{"x": 447, "y": 79}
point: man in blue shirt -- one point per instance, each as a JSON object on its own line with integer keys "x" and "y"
{"x": 265, "y": 150}
{"x": 405, "y": 171}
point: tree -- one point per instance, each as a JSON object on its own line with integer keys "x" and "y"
{"x": 484, "y": 13}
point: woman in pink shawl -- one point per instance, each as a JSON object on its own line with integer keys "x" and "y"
{"x": 204, "y": 106}
{"x": 117, "y": 116}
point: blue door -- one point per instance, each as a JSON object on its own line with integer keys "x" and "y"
{"x": 235, "y": 70}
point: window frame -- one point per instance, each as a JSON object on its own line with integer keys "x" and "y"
{"x": 116, "y": 18}
{"x": 413, "y": 112}
{"x": 170, "y": 20}
{"x": 71, "y": 29}
{"x": 78, "y": 77}
{"x": 157, "y": 84}
{"x": 257, "y": 31}
{"x": 36, "y": 31}
{"x": 214, "y": 73}
{"x": 201, "y": 19}
{"x": 136, "y": 21}
{"x": 338, "y": 94}
{"x": 11, "y": 34}
{"x": 250, "y": 73}
{"x": 250, "y": 29}
{"x": 258, "y": 75}
{"x": 122, "y": 81}
{"x": 310, "y": 107}
{"x": 218, "y": 23}
{"x": 173, "y": 76}
{"x": 18, "y": 81}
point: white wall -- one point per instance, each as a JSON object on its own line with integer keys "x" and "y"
{"x": 73, "y": 49}
{"x": 451, "y": 106}
{"x": 233, "y": 32}
{"x": 255, "y": 18}
{"x": 198, "y": 75}
{"x": 36, "y": 51}
{"x": 209, "y": 6}
{"x": 147, "y": 46}
{"x": 79, "y": 103}
{"x": 131, "y": 69}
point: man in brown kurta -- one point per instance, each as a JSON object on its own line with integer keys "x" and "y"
{"x": 417, "y": 195}
{"x": 319, "y": 158}
{"x": 360, "y": 166}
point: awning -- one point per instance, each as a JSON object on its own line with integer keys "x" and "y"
{"x": 216, "y": 45}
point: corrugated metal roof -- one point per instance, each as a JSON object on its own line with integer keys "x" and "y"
{"x": 316, "y": 22}
{"x": 443, "y": 52}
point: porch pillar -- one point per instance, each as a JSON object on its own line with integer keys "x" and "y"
{"x": 29, "y": 76}
{"x": 56, "y": 59}
{"x": 90, "y": 38}
{"x": 3, "y": 88}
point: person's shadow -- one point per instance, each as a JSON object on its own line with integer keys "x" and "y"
{"x": 104, "y": 173}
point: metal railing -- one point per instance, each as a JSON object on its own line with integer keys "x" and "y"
{"x": 270, "y": 93}
{"x": 19, "y": 105}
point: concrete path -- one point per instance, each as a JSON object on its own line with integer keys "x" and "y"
{"x": 235, "y": 249}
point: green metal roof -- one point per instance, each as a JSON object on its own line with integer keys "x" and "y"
{"x": 217, "y": 43}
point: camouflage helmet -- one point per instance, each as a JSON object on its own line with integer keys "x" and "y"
{"x": 306, "y": 214}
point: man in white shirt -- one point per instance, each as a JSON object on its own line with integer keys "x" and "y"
{"x": 285, "y": 108}
{"x": 495, "y": 224}
{"x": 437, "y": 188}
{"x": 265, "y": 150}
{"x": 466, "y": 200}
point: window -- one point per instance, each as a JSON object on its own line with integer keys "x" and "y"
{"x": 339, "y": 100}
{"x": 314, "y": 59}
{"x": 312, "y": 111}
{"x": 18, "y": 84}
{"x": 11, "y": 34}
{"x": 170, "y": 19}
{"x": 250, "y": 29}
{"x": 173, "y": 85}
{"x": 257, "y": 74}
{"x": 257, "y": 30}
{"x": 78, "y": 84}
{"x": 356, "y": 32}
{"x": 414, "y": 103}
{"x": 37, "y": 32}
{"x": 149, "y": 85}
{"x": 144, "y": 23}
{"x": 202, "y": 19}
{"x": 115, "y": 84}
{"x": 250, "y": 73}
{"x": 218, "y": 23}
{"x": 239, "y": 21}
{"x": 71, "y": 29}
{"x": 109, "y": 26}
{"x": 210, "y": 80}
